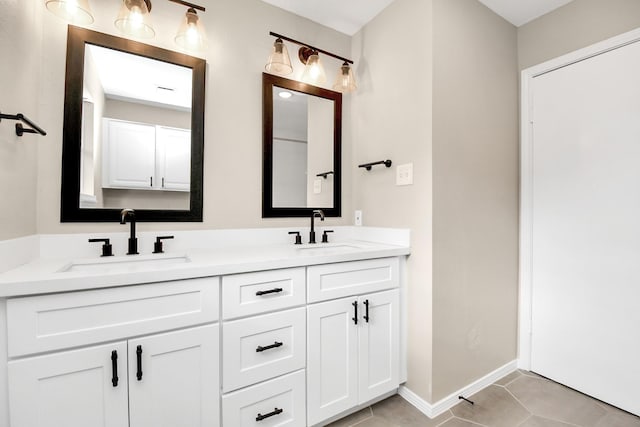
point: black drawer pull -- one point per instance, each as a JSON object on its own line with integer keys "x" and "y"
{"x": 355, "y": 312}
{"x": 366, "y": 310}
{"x": 276, "y": 411}
{"x": 270, "y": 291}
{"x": 114, "y": 368}
{"x": 139, "y": 364}
{"x": 260, "y": 348}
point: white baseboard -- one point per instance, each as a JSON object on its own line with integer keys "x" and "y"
{"x": 435, "y": 409}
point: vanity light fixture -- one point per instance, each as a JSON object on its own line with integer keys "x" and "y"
{"x": 76, "y": 12}
{"x": 134, "y": 20}
{"x": 191, "y": 34}
{"x": 279, "y": 63}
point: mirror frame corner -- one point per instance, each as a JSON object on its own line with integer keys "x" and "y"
{"x": 70, "y": 210}
{"x": 268, "y": 210}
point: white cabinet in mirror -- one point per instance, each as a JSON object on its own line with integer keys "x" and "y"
{"x": 144, "y": 157}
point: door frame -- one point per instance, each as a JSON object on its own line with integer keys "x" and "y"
{"x": 526, "y": 178}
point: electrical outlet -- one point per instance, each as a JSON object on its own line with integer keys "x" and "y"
{"x": 317, "y": 186}
{"x": 358, "y": 218}
{"x": 404, "y": 174}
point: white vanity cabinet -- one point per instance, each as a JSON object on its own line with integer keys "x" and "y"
{"x": 102, "y": 358}
{"x": 145, "y": 157}
{"x": 353, "y": 353}
{"x": 264, "y": 348}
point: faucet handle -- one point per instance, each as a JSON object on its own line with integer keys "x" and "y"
{"x": 157, "y": 246}
{"x": 107, "y": 248}
{"x": 298, "y": 237}
{"x": 325, "y": 237}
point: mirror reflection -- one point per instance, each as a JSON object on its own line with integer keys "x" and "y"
{"x": 302, "y": 150}
{"x": 136, "y": 132}
{"x": 133, "y": 131}
{"x": 302, "y": 140}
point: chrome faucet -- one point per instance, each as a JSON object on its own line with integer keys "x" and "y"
{"x": 133, "y": 241}
{"x": 312, "y": 233}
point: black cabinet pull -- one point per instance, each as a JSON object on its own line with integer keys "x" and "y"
{"x": 276, "y": 411}
{"x": 114, "y": 368}
{"x": 151, "y": 181}
{"x": 366, "y": 310}
{"x": 139, "y": 360}
{"x": 270, "y": 291}
{"x": 163, "y": 182}
{"x": 355, "y": 312}
{"x": 260, "y": 348}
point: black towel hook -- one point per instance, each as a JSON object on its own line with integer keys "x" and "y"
{"x": 21, "y": 130}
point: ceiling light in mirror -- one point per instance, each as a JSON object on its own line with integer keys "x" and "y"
{"x": 345, "y": 81}
{"x": 74, "y": 11}
{"x": 279, "y": 61}
{"x": 285, "y": 95}
{"x": 191, "y": 35}
{"x": 134, "y": 19}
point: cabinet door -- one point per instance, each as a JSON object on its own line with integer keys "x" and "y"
{"x": 332, "y": 362}
{"x": 71, "y": 389}
{"x": 179, "y": 381}
{"x": 174, "y": 158}
{"x": 129, "y": 155}
{"x": 379, "y": 345}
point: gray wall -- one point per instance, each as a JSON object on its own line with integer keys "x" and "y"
{"x": 576, "y": 25}
{"x": 20, "y": 72}
{"x": 475, "y": 193}
{"x": 391, "y": 119}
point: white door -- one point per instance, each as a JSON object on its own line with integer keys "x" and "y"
{"x": 379, "y": 345}
{"x": 174, "y": 379}
{"x": 73, "y": 388}
{"x": 174, "y": 158}
{"x": 332, "y": 359}
{"x": 586, "y": 226}
{"x": 130, "y": 159}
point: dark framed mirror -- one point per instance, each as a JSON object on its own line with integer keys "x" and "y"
{"x": 133, "y": 134}
{"x": 302, "y": 143}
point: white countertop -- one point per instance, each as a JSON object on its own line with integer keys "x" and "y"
{"x": 51, "y": 275}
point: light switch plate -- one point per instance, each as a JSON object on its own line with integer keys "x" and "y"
{"x": 404, "y": 174}
{"x": 317, "y": 186}
{"x": 358, "y": 218}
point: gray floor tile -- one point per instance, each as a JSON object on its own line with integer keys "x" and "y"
{"x": 494, "y": 407}
{"x": 376, "y": 422}
{"x": 457, "y": 422}
{"x": 536, "y": 421}
{"x": 618, "y": 418}
{"x": 353, "y": 419}
{"x": 506, "y": 380}
{"x": 398, "y": 411}
{"x": 553, "y": 401}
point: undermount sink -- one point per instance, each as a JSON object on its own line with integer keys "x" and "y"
{"x": 330, "y": 248}
{"x": 115, "y": 265}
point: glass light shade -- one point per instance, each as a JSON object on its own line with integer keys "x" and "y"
{"x": 345, "y": 81}
{"x": 191, "y": 34}
{"x": 279, "y": 61}
{"x": 134, "y": 20}
{"x": 74, "y": 11}
{"x": 314, "y": 71}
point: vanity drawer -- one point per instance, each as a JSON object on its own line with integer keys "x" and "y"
{"x": 262, "y": 347}
{"x": 52, "y": 322}
{"x": 281, "y": 400}
{"x": 331, "y": 281}
{"x": 260, "y": 292}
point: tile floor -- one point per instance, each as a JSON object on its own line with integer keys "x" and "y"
{"x": 521, "y": 399}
